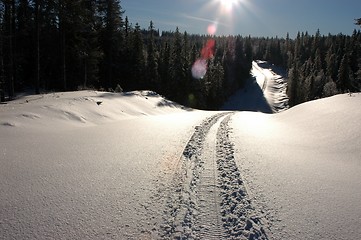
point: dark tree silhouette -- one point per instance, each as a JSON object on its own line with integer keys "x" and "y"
{"x": 358, "y": 21}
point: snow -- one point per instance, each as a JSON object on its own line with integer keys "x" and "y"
{"x": 137, "y": 166}
{"x": 84, "y": 108}
{"x": 303, "y": 167}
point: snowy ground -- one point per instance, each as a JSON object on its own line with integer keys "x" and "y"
{"x": 92, "y": 165}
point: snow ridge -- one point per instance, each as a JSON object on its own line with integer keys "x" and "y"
{"x": 239, "y": 217}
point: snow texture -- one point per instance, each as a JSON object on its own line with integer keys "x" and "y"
{"x": 96, "y": 165}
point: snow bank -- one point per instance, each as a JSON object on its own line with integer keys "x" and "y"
{"x": 83, "y": 108}
{"x": 303, "y": 167}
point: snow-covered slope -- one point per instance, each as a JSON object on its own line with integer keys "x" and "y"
{"x": 83, "y": 108}
{"x": 303, "y": 167}
{"x": 92, "y": 165}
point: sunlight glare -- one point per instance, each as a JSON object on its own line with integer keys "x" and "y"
{"x": 228, "y": 4}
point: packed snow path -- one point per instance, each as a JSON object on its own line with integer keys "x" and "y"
{"x": 207, "y": 197}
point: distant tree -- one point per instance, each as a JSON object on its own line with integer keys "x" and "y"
{"x": 343, "y": 78}
{"x": 330, "y": 89}
{"x": 331, "y": 65}
{"x": 152, "y": 61}
{"x": 292, "y": 87}
{"x": 177, "y": 68}
{"x": 164, "y": 65}
{"x": 358, "y": 77}
{"x": 214, "y": 85}
{"x": 137, "y": 59}
{"x": 2, "y": 76}
{"x": 358, "y": 21}
{"x": 62, "y": 34}
{"x": 8, "y": 46}
{"x": 37, "y": 46}
{"x": 111, "y": 13}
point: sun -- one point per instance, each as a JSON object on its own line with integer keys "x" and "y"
{"x": 228, "y": 4}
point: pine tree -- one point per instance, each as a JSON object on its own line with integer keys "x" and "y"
{"x": 37, "y": 46}
{"x": 62, "y": 30}
{"x": 358, "y": 21}
{"x": 176, "y": 68}
{"x": 152, "y": 61}
{"x": 164, "y": 66}
{"x": 112, "y": 39}
{"x": 2, "y": 74}
{"x": 358, "y": 77}
{"x": 292, "y": 87}
{"x": 329, "y": 89}
{"x": 331, "y": 66}
{"x": 8, "y": 45}
{"x": 343, "y": 78}
{"x": 138, "y": 60}
{"x": 89, "y": 53}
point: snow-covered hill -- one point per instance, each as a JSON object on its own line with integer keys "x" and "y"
{"x": 83, "y": 108}
{"x": 93, "y": 165}
{"x": 303, "y": 167}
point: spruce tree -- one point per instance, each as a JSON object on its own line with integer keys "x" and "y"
{"x": 8, "y": 46}
{"x": 293, "y": 78}
{"x": 112, "y": 38}
{"x": 358, "y": 21}
{"x": 152, "y": 61}
{"x": 164, "y": 65}
{"x": 2, "y": 76}
{"x": 176, "y": 68}
{"x": 37, "y": 46}
{"x": 343, "y": 77}
{"x": 138, "y": 60}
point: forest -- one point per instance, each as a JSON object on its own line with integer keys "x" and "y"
{"x": 63, "y": 45}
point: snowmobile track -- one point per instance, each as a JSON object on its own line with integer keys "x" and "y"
{"x": 207, "y": 198}
{"x": 239, "y": 217}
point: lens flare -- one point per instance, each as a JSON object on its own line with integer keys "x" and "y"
{"x": 208, "y": 50}
{"x": 199, "y": 68}
{"x": 212, "y": 29}
{"x": 226, "y": 7}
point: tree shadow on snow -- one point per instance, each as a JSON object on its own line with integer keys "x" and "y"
{"x": 249, "y": 98}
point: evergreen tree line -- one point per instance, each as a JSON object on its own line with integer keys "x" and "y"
{"x": 318, "y": 66}
{"x": 79, "y": 44}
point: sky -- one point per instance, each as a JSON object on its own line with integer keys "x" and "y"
{"x": 258, "y": 18}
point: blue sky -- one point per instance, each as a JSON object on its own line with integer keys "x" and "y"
{"x": 246, "y": 17}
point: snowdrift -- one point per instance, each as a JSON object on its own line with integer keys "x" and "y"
{"x": 83, "y": 108}
{"x": 303, "y": 167}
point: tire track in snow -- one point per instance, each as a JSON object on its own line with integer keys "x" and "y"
{"x": 207, "y": 198}
{"x": 181, "y": 220}
{"x": 239, "y": 217}
{"x": 210, "y": 221}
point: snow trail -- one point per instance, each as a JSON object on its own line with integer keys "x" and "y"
{"x": 207, "y": 198}
{"x": 182, "y": 208}
{"x": 209, "y": 192}
{"x": 239, "y": 217}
